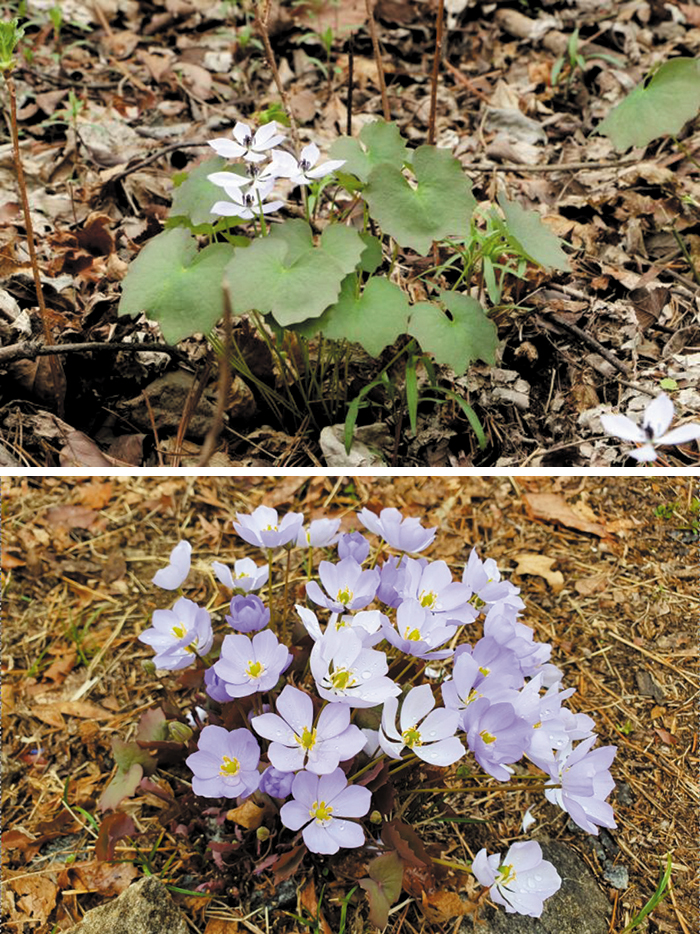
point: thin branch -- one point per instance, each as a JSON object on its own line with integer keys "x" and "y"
{"x": 261, "y": 22}
{"x": 351, "y": 60}
{"x": 593, "y": 343}
{"x": 30, "y": 350}
{"x": 152, "y": 158}
{"x": 378, "y": 60}
{"x": 22, "y": 185}
{"x": 224, "y": 387}
{"x": 559, "y": 167}
{"x": 436, "y": 71}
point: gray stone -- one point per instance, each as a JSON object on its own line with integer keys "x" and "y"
{"x": 579, "y": 907}
{"x": 144, "y": 908}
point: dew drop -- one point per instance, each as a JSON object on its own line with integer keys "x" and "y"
{"x": 531, "y": 882}
{"x": 538, "y": 877}
{"x": 366, "y": 674}
{"x": 432, "y": 733}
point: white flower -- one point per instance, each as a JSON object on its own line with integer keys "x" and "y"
{"x": 253, "y": 148}
{"x": 302, "y": 172}
{"x": 247, "y": 204}
{"x": 653, "y": 432}
{"x": 347, "y": 672}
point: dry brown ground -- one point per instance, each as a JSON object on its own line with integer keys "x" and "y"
{"x": 78, "y": 555}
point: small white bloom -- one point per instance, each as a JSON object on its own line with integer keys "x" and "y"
{"x": 302, "y": 172}
{"x": 252, "y": 148}
{"x": 247, "y": 204}
{"x": 653, "y": 432}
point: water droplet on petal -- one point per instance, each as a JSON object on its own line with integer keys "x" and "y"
{"x": 538, "y": 877}
{"x": 366, "y": 674}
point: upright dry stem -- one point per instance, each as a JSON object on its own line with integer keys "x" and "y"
{"x": 436, "y": 70}
{"x": 378, "y": 60}
{"x": 261, "y": 22}
{"x": 22, "y": 185}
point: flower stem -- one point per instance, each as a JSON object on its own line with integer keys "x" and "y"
{"x": 22, "y": 185}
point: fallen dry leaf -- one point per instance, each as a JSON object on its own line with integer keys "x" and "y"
{"x": 70, "y": 517}
{"x": 590, "y": 585}
{"x": 550, "y": 507}
{"x": 96, "y": 495}
{"x": 442, "y": 906}
{"x": 541, "y": 566}
{"x": 248, "y": 815}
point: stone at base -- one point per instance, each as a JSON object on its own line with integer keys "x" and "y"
{"x": 144, "y": 908}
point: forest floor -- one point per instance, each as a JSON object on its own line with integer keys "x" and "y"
{"x": 611, "y": 587}
{"x": 116, "y": 99}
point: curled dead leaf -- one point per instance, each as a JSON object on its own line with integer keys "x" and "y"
{"x": 540, "y": 566}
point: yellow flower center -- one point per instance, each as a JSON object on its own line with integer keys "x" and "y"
{"x": 307, "y": 740}
{"x": 506, "y": 875}
{"x": 321, "y": 811}
{"x": 179, "y": 631}
{"x": 487, "y": 737}
{"x": 270, "y": 528}
{"x": 411, "y": 737}
{"x": 427, "y": 599}
{"x": 344, "y": 596}
{"x": 255, "y": 669}
{"x": 485, "y": 671}
{"x": 412, "y": 635}
{"x": 230, "y": 766}
{"x": 341, "y": 679}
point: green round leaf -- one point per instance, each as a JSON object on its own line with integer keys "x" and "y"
{"x": 194, "y": 197}
{"x": 440, "y": 204}
{"x": 664, "y": 105}
{"x": 173, "y": 284}
{"x": 379, "y": 142}
{"x": 531, "y": 237}
{"x": 470, "y": 335}
{"x": 374, "y": 319}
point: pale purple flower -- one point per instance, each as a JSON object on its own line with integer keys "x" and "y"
{"x": 249, "y": 204}
{"x": 353, "y": 545}
{"x": 251, "y": 665}
{"x": 247, "y": 575}
{"x": 391, "y": 581}
{"x": 653, "y": 431}
{"x": 215, "y": 686}
{"x": 426, "y": 732}
{"x": 402, "y": 534}
{"x": 496, "y": 735}
{"x": 473, "y": 678}
{"x": 252, "y": 147}
{"x": 585, "y": 781}
{"x": 366, "y": 624}
{"x": 484, "y": 580}
{"x": 275, "y": 783}
{"x": 298, "y": 744}
{"x": 302, "y": 172}
{"x": 179, "y": 635}
{"x": 225, "y": 764}
{"x": 320, "y": 533}
{"x": 248, "y": 614}
{"x": 431, "y": 584}
{"x": 556, "y": 728}
{"x": 176, "y": 572}
{"x": 321, "y": 802}
{"x": 501, "y": 624}
{"x": 418, "y": 632}
{"x": 347, "y": 585}
{"x": 348, "y": 672}
{"x": 264, "y": 529}
{"x": 522, "y": 881}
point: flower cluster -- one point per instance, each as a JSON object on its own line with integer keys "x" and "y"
{"x": 249, "y": 189}
{"x": 497, "y": 698}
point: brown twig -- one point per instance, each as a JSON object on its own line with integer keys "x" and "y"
{"x": 592, "y": 343}
{"x": 378, "y": 60}
{"x": 22, "y": 185}
{"x": 559, "y": 167}
{"x": 29, "y": 350}
{"x": 171, "y": 147}
{"x": 261, "y": 22}
{"x": 224, "y": 386}
{"x": 436, "y": 71}
{"x": 351, "y": 78}
{"x": 191, "y": 403}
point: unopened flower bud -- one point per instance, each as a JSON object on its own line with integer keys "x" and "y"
{"x": 148, "y": 666}
{"x": 179, "y": 732}
{"x": 376, "y": 817}
{"x": 262, "y": 833}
